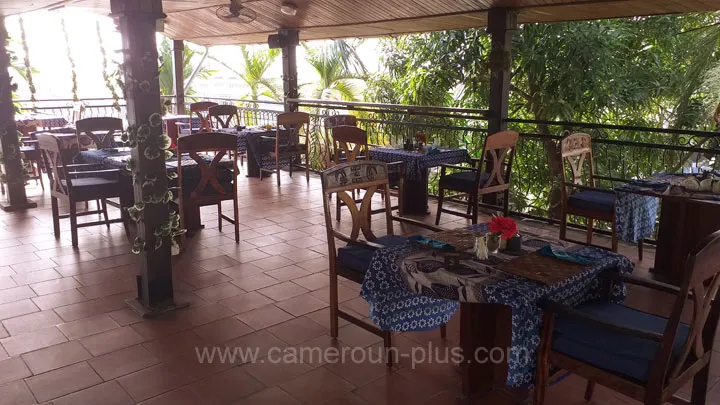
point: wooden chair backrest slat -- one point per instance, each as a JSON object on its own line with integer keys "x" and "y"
{"x": 87, "y": 131}
{"x": 224, "y": 114}
{"x": 293, "y": 123}
{"x": 329, "y": 123}
{"x": 348, "y": 141}
{"x": 341, "y": 180}
{"x": 201, "y": 109}
{"x": 55, "y": 158}
{"x": 221, "y": 144}
{"x": 576, "y": 150}
{"x": 500, "y": 149}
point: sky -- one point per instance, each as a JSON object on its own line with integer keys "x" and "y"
{"x": 53, "y": 79}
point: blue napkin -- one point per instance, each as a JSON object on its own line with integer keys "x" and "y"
{"x": 432, "y": 151}
{"x": 432, "y": 243}
{"x": 550, "y": 251}
{"x": 650, "y": 184}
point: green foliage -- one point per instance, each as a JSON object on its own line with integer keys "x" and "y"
{"x": 253, "y": 71}
{"x": 339, "y": 69}
{"x": 165, "y": 51}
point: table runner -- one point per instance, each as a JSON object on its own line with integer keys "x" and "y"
{"x": 417, "y": 163}
{"x": 403, "y": 298}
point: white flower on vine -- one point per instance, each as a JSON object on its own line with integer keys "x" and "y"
{"x": 155, "y": 120}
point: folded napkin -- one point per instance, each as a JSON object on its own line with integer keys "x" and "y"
{"x": 550, "y": 251}
{"x": 432, "y": 243}
{"x": 431, "y": 150}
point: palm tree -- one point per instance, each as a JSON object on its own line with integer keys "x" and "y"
{"x": 166, "y": 69}
{"x": 253, "y": 72}
{"x": 339, "y": 68}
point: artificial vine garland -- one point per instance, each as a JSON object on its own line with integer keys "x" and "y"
{"x": 106, "y": 76}
{"x": 72, "y": 61}
{"x": 154, "y": 144}
{"x": 28, "y": 68}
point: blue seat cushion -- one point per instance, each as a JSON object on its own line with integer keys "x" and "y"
{"x": 596, "y": 201}
{"x": 463, "y": 180}
{"x": 357, "y": 257}
{"x": 610, "y": 350}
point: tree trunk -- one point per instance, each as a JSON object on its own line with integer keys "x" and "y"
{"x": 555, "y": 166}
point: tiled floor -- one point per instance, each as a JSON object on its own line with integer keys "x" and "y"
{"x": 67, "y": 336}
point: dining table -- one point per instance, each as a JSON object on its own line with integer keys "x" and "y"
{"x": 411, "y": 287}
{"x": 41, "y": 120}
{"x": 256, "y": 143}
{"x": 417, "y": 164}
{"x": 687, "y": 217}
{"x": 117, "y": 158}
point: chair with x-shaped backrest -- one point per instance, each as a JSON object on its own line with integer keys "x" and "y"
{"x": 98, "y": 132}
{"x": 498, "y": 155}
{"x": 209, "y": 189}
{"x": 329, "y": 123}
{"x": 202, "y": 110}
{"x": 226, "y": 116}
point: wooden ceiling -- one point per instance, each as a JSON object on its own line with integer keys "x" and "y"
{"x": 195, "y": 20}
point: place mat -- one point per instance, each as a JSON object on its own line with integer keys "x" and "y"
{"x": 460, "y": 239}
{"x": 544, "y": 269}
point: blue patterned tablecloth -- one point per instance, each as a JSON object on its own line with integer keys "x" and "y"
{"x": 417, "y": 163}
{"x": 635, "y": 215}
{"x": 242, "y": 135}
{"x": 399, "y": 305}
{"x": 41, "y": 120}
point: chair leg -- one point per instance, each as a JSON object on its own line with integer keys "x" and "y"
{"x": 56, "y": 216}
{"x": 73, "y": 223}
{"x": 563, "y": 225}
{"x": 614, "y": 238}
{"x": 387, "y": 342}
{"x": 543, "y": 363}
{"x": 589, "y": 389}
{"x": 441, "y": 196}
{"x": 277, "y": 171}
{"x": 506, "y": 203}
{"x": 338, "y": 209}
{"x": 475, "y": 209}
{"x": 39, "y": 175}
{"x": 236, "y": 212}
{"x": 443, "y": 331}
{"x": 219, "y": 216}
{"x": 307, "y": 168}
{"x": 589, "y": 231}
{"x": 700, "y": 387}
{"x": 334, "y": 303}
{"x": 103, "y": 204}
{"x": 640, "y": 249}
{"x": 469, "y": 207}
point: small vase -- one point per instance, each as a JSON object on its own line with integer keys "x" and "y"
{"x": 493, "y": 243}
{"x": 515, "y": 243}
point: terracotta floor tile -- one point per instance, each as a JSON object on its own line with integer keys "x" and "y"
{"x": 256, "y": 282}
{"x": 265, "y": 241}
{"x": 317, "y": 386}
{"x": 109, "y": 341}
{"x": 322, "y": 318}
{"x": 116, "y": 286}
{"x": 345, "y": 293}
{"x": 103, "y": 276}
{"x": 217, "y": 263}
{"x": 13, "y": 369}
{"x": 59, "y": 299}
{"x": 241, "y": 271}
{"x": 274, "y": 396}
{"x": 226, "y": 386}
{"x": 315, "y": 265}
{"x": 246, "y": 302}
{"x": 306, "y": 242}
{"x": 346, "y": 399}
{"x": 53, "y": 286}
{"x": 109, "y": 393}
{"x": 125, "y": 316}
{"x": 27, "y": 342}
{"x": 313, "y": 281}
{"x": 297, "y": 330}
{"x": 172, "y": 346}
{"x": 16, "y": 294}
{"x": 10, "y": 260}
{"x": 63, "y": 381}
{"x": 154, "y": 381}
{"x": 7, "y": 282}
{"x": 288, "y": 273}
{"x": 278, "y": 248}
{"x": 31, "y": 322}
{"x": 127, "y": 260}
{"x": 182, "y": 396}
{"x": 79, "y": 268}
{"x": 274, "y": 371}
{"x": 355, "y": 336}
{"x": 78, "y": 257}
{"x": 283, "y": 291}
{"x": 200, "y": 315}
{"x": 392, "y": 389}
{"x": 88, "y": 326}
{"x": 85, "y": 309}
{"x": 207, "y": 279}
{"x": 264, "y": 317}
{"x": 260, "y": 342}
{"x": 272, "y": 263}
{"x": 222, "y": 330}
{"x": 301, "y": 305}
{"x": 156, "y": 328}
{"x": 3, "y": 334}
{"x": 35, "y": 277}
{"x": 53, "y": 357}
{"x": 122, "y": 362}
{"x": 250, "y": 255}
{"x": 17, "y": 308}
{"x": 219, "y": 292}
{"x": 16, "y": 393}
{"x": 6, "y": 271}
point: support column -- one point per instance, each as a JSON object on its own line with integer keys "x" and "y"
{"x": 9, "y": 143}
{"x": 289, "y": 63}
{"x": 137, "y": 20}
{"x": 179, "y": 76}
{"x": 501, "y": 24}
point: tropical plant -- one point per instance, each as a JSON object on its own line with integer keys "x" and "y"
{"x": 339, "y": 69}
{"x": 166, "y": 68}
{"x": 253, "y": 71}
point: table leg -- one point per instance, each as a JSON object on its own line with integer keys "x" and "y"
{"x": 485, "y": 332}
{"x": 253, "y": 167}
{"x": 415, "y": 199}
{"x": 191, "y": 217}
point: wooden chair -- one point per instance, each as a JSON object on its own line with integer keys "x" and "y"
{"x": 349, "y": 143}
{"x": 646, "y": 357}
{"x": 331, "y": 122}
{"x": 226, "y": 116}
{"x": 74, "y": 183}
{"x": 98, "y": 133}
{"x": 78, "y": 110}
{"x": 201, "y": 109}
{"x": 287, "y": 142}
{"x": 589, "y": 202}
{"x": 352, "y": 261}
{"x": 209, "y": 190}
{"x": 31, "y": 155}
{"x": 477, "y": 181}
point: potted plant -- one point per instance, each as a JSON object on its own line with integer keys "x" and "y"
{"x": 503, "y": 234}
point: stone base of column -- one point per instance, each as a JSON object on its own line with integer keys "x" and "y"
{"x": 136, "y": 305}
{"x": 7, "y": 207}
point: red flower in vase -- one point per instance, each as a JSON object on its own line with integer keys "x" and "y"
{"x": 421, "y": 137}
{"x": 506, "y": 227}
